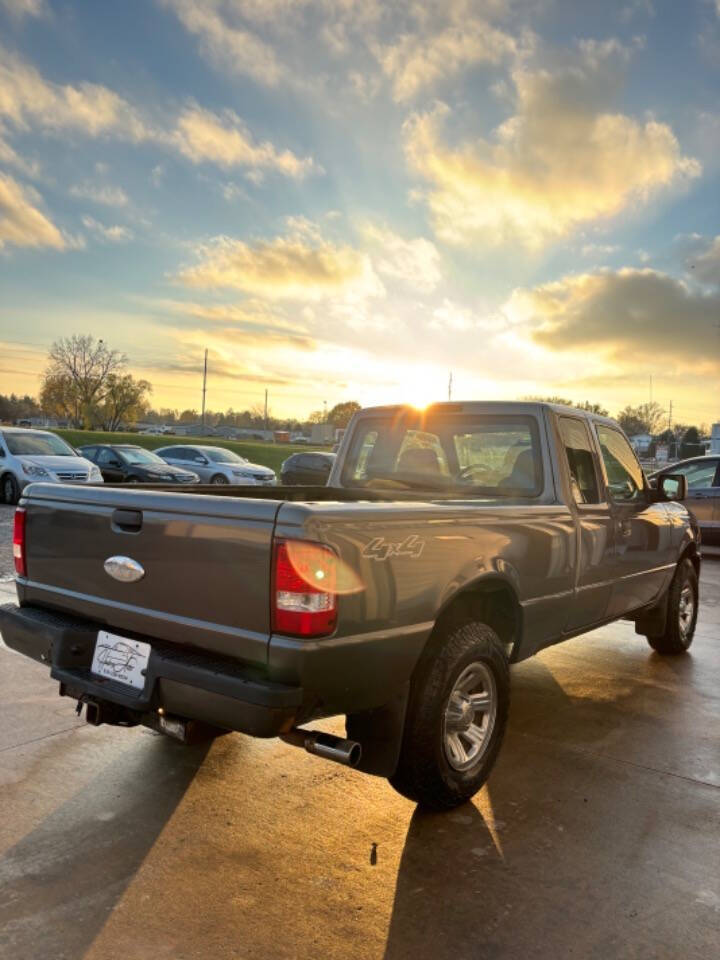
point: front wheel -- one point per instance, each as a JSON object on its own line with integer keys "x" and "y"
{"x": 682, "y": 611}
{"x": 10, "y": 491}
{"x": 456, "y": 718}
{"x": 219, "y": 478}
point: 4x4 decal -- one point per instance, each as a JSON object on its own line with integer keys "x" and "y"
{"x": 381, "y": 549}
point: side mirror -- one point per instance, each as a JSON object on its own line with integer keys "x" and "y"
{"x": 114, "y": 463}
{"x": 671, "y": 486}
{"x": 203, "y": 461}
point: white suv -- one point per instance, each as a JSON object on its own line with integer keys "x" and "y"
{"x": 28, "y": 455}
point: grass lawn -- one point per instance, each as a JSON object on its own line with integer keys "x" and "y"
{"x": 267, "y": 454}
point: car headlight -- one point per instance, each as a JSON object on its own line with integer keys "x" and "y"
{"x": 95, "y": 473}
{"x": 33, "y": 470}
{"x": 242, "y": 473}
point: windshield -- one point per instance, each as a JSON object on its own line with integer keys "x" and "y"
{"x": 485, "y": 455}
{"x": 220, "y": 455}
{"x": 138, "y": 455}
{"x": 33, "y": 444}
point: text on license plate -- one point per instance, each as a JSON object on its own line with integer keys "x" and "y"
{"x": 121, "y": 659}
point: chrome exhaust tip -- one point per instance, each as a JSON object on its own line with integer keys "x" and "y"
{"x": 325, "y": 745}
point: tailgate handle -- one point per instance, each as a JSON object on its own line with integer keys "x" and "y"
{"x": 127, "y": 521}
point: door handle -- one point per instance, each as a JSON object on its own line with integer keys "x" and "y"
{"x": 127, "y": 521}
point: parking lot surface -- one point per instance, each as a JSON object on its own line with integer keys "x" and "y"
{"x": 596, "y": 837}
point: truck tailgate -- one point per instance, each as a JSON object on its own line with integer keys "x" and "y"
{"x": 206, "y": 563}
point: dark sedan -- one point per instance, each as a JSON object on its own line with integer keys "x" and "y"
{"x": 703, "y": 493}
{"x": 308, "y": 469}
{"x": 125, "y": 463}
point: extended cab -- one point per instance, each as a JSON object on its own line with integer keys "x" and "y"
{"x": 449, "y": 543}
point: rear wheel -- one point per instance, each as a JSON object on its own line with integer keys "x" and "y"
{"x": 456, "y": 719}
{"x": 682, "y": 611}
{"x": 10, "y": 490}
{"x": 219, "y": 478}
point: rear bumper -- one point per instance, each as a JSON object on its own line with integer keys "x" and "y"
{"x": 183, "y": 683}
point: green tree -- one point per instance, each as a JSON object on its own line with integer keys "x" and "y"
{"x": 342, "y": 413}
{"x": 692, "y": 435}
{"x": 124, "y": 401}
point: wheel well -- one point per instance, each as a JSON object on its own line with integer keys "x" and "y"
{"x": 691, "y": 553}
{"x": 492, "y": 602}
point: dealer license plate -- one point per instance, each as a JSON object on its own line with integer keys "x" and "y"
{"x": 120, "y": 659}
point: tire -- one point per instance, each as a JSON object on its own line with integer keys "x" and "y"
{"x": 431, "y": 770}
{"x": 9, "y": 488}
{"x": 682, "y": 611}
{"x": 219, "y": 478}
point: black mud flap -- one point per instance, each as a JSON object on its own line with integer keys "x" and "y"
{"x": 380, "y": 734}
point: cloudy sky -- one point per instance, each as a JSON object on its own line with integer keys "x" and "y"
{"x": 347, "y": 199}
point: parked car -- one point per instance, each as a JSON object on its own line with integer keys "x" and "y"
{"x": 450, "y": 543}
{"x": 126, "y": 463}
{"x": 703, "y": 492}
{"x": 311, "y": 469}
{"x": 29, "y": 455}
{"x": 217, "y": 465}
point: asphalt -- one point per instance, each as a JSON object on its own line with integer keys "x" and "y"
{"x": 597, "y": 836}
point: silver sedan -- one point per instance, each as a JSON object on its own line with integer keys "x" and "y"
{"x": 217, "y": 464}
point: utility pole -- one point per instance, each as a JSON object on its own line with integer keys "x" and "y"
{"x": 450, "y": 386}
{"x": 266, "y": 413}
{"x": 670, "y": 417}
{"x": 650, "y": 388}
{"x": 204, "y": 391}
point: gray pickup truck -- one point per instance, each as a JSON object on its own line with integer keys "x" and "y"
{"x": 449, "y": 543}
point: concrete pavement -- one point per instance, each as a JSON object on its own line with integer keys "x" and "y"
{"x": 598, "y": 835}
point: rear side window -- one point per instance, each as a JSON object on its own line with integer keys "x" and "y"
{"x": 624, "y": 473}
{"x": 580, "y": 460}
{"x": 486, "y": 455}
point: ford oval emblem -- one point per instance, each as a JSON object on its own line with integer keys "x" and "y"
{"x": 124, "y": 569}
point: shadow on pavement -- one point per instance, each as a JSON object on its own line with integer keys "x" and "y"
{"x": 59, "y": 884}
{"x": 565, "y": 852}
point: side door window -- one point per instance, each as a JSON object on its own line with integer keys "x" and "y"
{"x": 625, "y": 479}
{"x": 700, "y": 475}
{"x": 174, "y": 453}
{"x": 108, "y": 458}
{"x": 580, "y": 460}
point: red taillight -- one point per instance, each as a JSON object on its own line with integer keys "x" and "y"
{"x": 19, "y": 542}
{"x": 304, "y": 602}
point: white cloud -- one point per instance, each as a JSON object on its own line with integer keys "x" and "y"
{"x": 89, "y": 108}
{"x": 225, "y": 140}
{"x": 562, "y": 160}
{"x": 22, "y": 224}
{"x": 112, "y": 234}
{"x": 624, "y": 314}
{"x": 415, "y": 62}
{"x": 232, "y": 48}
{"x": 109, "y": 196}
{"x": 599, "y": 249}
{"x": 300, "y": 265}
{"x": 26, "y": 99}
{"x": 414, "y": 262}
{"x": 25, "y": 8}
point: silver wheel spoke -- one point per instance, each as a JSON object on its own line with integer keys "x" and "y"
{"x": 457, "y": 748}
{"x": 474, "y": 734}
{"x": 480, "y": 701}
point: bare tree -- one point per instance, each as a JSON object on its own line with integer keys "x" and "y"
{"x": 86, "y": 363}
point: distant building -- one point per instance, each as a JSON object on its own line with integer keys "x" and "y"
{"x": 322, "y": 433}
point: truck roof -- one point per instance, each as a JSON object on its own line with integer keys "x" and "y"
{"x": 480, "y": 406}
